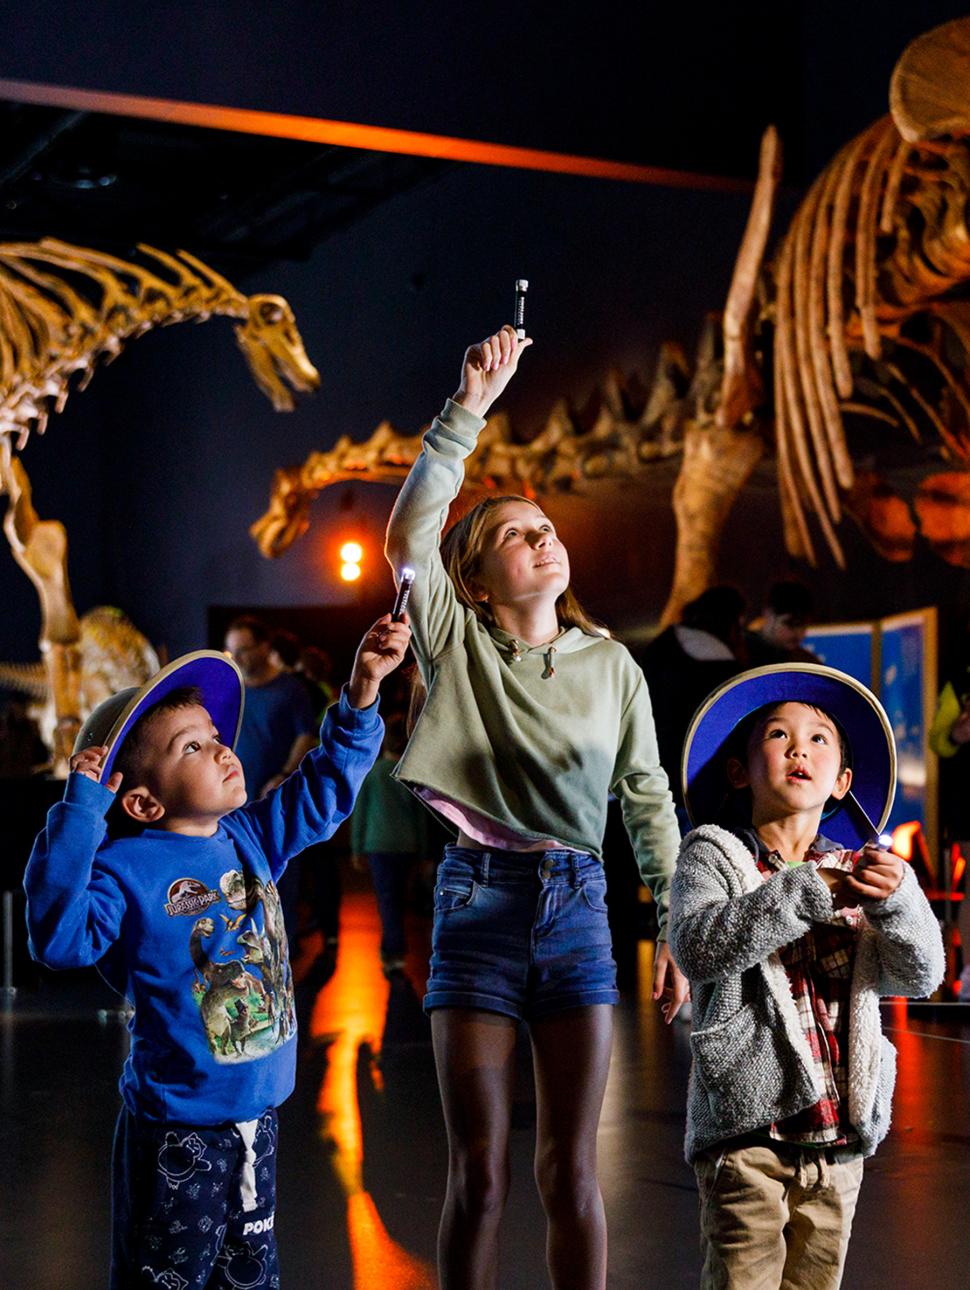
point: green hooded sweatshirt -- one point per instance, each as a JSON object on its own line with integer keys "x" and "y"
{"x": 532, "y": 738}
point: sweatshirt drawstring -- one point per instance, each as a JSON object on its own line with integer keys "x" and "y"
{"x": 548, "y": 655}
{"x": 247, "y": 1182}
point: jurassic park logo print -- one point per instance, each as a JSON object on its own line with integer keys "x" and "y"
{"x": 189, "y": 896}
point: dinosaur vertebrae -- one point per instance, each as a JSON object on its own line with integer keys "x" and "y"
{"x": 64, "y": 309}
{"x": 628, "y": 431}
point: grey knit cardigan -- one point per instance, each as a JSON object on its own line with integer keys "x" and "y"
{"x": 751, "y": 1062}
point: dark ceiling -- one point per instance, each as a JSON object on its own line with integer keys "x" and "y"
{"x": 564, "y": 79}
{"x": 241, "y": 199}
{"x": 685, "y": 87}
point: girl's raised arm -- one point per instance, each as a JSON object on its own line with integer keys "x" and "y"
{"x": 435, "y": 480}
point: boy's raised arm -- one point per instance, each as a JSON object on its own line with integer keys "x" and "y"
{"x": 74, "y": 910}
{"x": 312, "y": 802}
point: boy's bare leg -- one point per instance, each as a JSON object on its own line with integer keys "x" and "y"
{"x": 475, "y": 1057}
{"x": 571, "y": 1053}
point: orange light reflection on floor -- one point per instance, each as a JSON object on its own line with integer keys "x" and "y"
{"x": 913, "y": 1098}
{"x": 350, "y": 1012}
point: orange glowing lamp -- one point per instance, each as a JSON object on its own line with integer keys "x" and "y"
{"x": 351, "y": 557}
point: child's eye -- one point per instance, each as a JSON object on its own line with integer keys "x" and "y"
{"x": 511, "y": 533}
{"x": 777, "y": 733}
{"x": 822, "y": 738}
{"x": 191, "y": 746}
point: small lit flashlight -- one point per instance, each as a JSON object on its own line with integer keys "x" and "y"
{"x": 521, "y": 287}
{"x": 403, "y": 595}
{"x": 884, "y": 842}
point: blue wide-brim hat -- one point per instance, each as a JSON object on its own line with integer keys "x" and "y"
{"x": 215, "y": 674}
{"x": 862, "y": 814}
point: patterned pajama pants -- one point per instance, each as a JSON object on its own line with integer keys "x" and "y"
{"x": 184, "y": 1215}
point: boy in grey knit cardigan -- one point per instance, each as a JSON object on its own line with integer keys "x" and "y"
{"x": 789, "y": 937}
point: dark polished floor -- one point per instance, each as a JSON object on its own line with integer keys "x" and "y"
{"x": 362, "y": 1158}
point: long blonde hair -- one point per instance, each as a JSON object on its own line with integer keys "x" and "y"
{"x": 461, "y": 554}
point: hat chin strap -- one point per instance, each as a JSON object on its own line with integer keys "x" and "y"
{"x": 860, "y": 817}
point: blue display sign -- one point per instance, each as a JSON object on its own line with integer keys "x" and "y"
{"x": 908, "y": 698}
{"x": 896, "y": 657}
{"x": 847, "y": 646}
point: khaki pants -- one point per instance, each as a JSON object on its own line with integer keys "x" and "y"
{"x": 775, "y": 1220}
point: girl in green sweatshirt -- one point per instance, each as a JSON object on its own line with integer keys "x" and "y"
{"x": 533, "y": 716}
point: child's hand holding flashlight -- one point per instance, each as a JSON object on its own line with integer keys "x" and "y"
{"x": 876, "y": 873}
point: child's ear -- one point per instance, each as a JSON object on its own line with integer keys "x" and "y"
{"x": 141, "y": 806}
{"x": 842, "y": 785}
{"x": 737, "y": 773}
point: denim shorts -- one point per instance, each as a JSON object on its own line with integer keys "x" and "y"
{"x": 523, "y": 933}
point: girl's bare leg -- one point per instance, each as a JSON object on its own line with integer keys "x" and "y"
{"x": 475, "y": 1057}
{"x": 571, "y": 1053}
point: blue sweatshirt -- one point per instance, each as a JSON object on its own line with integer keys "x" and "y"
{"x": 190, "y": 929}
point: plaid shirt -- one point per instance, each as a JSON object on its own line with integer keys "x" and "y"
{"x": 819, "y": 968}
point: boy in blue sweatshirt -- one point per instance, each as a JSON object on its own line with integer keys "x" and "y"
{"x": 153, "y": 867}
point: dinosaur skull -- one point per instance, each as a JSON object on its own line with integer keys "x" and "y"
{"x": 288, "y": 517}
{"x": 274, "y": 351}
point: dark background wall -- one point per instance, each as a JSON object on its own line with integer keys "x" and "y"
{"x": 160, "y": 467}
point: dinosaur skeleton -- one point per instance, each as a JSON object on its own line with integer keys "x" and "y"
{"x": 112, "y": 654}
{"x": 860, "y": 317}
{"x": 628, "y": 431}
{"x": 50, "y": 330}
{"x": 868, "y": 274}
{"x": 63, "y": 310}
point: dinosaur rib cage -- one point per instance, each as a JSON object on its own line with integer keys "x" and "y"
{"x": 868, "y": 303}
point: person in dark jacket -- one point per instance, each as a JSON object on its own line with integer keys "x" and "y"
{"x": 684, "y": 663}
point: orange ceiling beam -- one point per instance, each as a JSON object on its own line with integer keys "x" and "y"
{"x": 350, "y": 134}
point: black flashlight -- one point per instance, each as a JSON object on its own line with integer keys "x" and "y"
{"x": 521, "y": 287}
{"x": 403, "y": 595}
